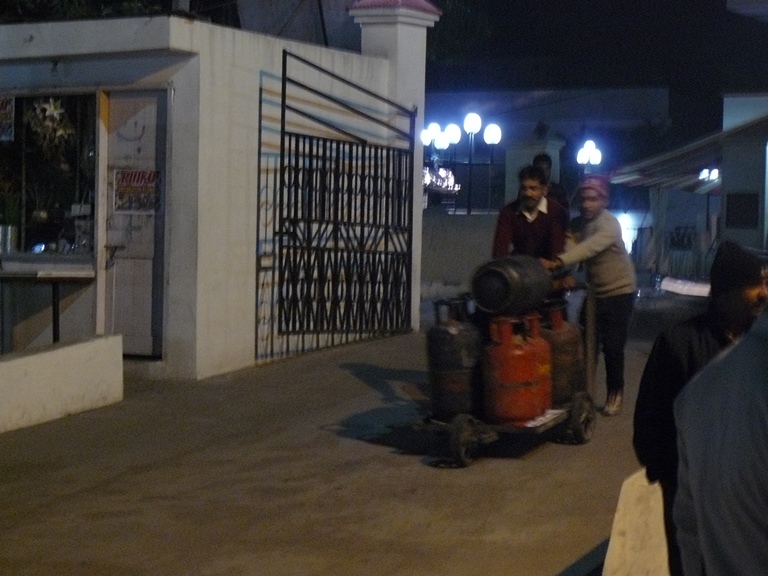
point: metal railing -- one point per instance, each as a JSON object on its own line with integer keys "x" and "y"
{"x": 335, "y": 225}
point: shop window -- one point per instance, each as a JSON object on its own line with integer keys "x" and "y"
{"x": 48, "y": 172}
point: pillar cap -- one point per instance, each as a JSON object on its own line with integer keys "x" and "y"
{"x": 419, "y": 5}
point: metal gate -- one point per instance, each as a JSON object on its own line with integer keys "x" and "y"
{"x": 335, "y": 212}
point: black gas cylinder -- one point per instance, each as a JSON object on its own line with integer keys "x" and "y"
{"x": 511, "y": 285}
{"x": 454, "y": 350}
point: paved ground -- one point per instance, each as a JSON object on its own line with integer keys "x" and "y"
{"x": 313, "y": 466}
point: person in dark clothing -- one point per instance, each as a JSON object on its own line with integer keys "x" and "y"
{"x": 555, "y": 191}
{"x": 721, "y": 509}
{"x": 738, "y": 293}
{"x": 530, "y": 225}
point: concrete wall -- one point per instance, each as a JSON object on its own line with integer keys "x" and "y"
{"x": 741, "y": 108}
{"x": 453, "y": 248}
{"x": 60, "y": 380}
{"x": 744, "y": 172}
{"x": 744, "y": 166}
{"x": 233, "y": 66}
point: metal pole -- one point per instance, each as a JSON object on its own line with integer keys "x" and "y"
{"x": 490, "y": 174}
{"x": 591, "y": 343}
{"x": 469, "y": 187}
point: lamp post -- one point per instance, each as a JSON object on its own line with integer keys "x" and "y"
{"x": 440, "y": 140}
{"x": 472, "y": 124}
{"x": 492, "y": 136}
{"x": 453, "y": 133}
{"x": 589, "y": 155}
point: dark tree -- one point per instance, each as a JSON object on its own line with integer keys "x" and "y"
{"x": 46, "y": 10}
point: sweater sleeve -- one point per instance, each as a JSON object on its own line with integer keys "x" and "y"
{"x": 557, "y": 232}
{"x": 606, "y": 234}
{"x": 502, "y": 239}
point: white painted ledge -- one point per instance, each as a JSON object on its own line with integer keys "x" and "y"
{"x": 60, "y": 380}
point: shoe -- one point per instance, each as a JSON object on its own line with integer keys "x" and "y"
{"x": 613, "y": 404}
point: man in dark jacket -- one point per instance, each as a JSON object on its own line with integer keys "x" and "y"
{"x": 531, "y": 225}
{"x": 721, "y": 509}
{"x": 738, "y": 293}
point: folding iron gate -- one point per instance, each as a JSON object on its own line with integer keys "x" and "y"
{"x": 335, "y": 213}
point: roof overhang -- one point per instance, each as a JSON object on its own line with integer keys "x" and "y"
{"x": 680, "y": 169}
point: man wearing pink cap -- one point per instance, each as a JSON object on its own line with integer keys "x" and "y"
{"x": 610, "y": 275}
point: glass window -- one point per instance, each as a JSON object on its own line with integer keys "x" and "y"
{"x": 48, "y": 171}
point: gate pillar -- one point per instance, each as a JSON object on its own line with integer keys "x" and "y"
{"x": 398, "y": 31}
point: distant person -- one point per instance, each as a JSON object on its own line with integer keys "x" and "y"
{"x": 721, "y": 506}
{"x": 554, "y": 190}
{"x": 610, "y": 277}
{"x": 738, "y": 294}
{"x": 531, "y": 225}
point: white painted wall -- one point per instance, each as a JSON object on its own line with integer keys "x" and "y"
{"x": 454, "y": 246}
{"x": 742, "y": 108}
{"x": 744, "y": 171}
{"x": 60, "y": 380}
{"x": 744, "y": 165}
{"x": 232, "y": 67}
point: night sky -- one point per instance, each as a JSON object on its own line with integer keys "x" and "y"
{"x": 695, "y": 47}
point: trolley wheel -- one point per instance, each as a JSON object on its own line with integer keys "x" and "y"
{"x": 464, "y": 439}
{"x": 581, "y": 424}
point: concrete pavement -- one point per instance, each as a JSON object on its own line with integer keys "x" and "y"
{"x": 317, "y": 465}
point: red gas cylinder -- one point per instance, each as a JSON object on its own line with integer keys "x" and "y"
{"x": 569, "y": 373}
{"x": 454, "y": 349}
{"x": 512, "y": 386}
{"x": 543, "y": 356}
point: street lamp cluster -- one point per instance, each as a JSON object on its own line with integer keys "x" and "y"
{"x": 433, "y": 135}
{"x": 589, "y": 154}
{"x": 442, "y": 139}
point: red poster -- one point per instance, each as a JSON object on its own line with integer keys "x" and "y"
{"x": 136, "y": 191}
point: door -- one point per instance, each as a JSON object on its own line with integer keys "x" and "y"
{"x": 135, "y": 218}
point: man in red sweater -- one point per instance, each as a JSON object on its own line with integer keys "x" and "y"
{"x": 531, "y": 224}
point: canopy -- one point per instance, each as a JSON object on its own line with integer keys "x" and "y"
{"x": 681, "y": 169}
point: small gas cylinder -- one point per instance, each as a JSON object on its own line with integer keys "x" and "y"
{"x": 569, "y": 374}
{"x": 454, "y": 349}
{"x": 511, "y": 285}
{"x": 512, "y": 386}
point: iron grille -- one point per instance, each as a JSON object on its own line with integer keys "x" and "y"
{"x": 344, "y": 232}
{"x": 335, "y": 220}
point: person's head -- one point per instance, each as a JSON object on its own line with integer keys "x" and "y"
{"x": 594, "y": 195}
{"x": 544, "y": 161}
{"x": 533, "y": 185}
{"x": 738, "y": 283}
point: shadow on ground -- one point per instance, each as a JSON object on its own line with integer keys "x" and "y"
{"x": 403, "y": 423}
{"x": 591, "y": 564}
